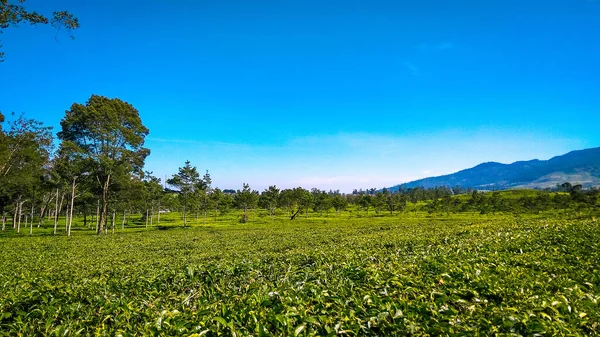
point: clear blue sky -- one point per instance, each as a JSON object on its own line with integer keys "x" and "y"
{"x": 330, "y": 94}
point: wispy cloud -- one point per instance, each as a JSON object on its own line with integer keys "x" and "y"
{"x": 414, "y": 70}
{"x": 352, "y": 160}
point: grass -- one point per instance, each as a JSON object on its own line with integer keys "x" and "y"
{"x": 461, "y": 274}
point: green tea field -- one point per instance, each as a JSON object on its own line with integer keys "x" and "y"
{"x": 371, "y": 276}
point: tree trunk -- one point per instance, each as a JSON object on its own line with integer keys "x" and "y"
{"x": 19, "y": 215}
{"x": 184, "y": 219}
{"x": 32, "y": 211}
{"x": 113, "y": 221}
{"x": 57, "y": 211}
{"x": 123, "y": 222}
{"x": 151, "y": 215}
{"x": 3, "y": 221}
{"x": 103, "y": 215}
{"x": 97, "y": 215}
{"x": 67, "y": 219}
{"x": 146, "y": 218}
{"x": 73, "y": 185}
{"x": 45, "y": 209}
{"x": 85, "y": 222}
{"x": 15, "y": 215}
{"x": 158, "y": 219}
{"x": 205, "y": 207}
{"x": 294, "y": 215}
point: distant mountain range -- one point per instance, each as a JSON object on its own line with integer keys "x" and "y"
{"x": 576, "y": 167}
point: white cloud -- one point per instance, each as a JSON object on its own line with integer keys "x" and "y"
{"x": 412, "y": 68}
{"x": 352, "y": 160}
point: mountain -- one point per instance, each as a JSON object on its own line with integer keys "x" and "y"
{"x": 577, "y": 167}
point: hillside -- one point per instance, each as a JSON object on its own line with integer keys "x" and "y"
{"x": 577, "y": 167}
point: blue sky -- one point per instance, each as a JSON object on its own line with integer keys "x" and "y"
{"x": 329, "y": 94}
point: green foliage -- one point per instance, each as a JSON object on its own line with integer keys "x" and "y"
{"x": 25, "y": 150}
{"x": 108, "y": 134}
{"x": 358, "y": 276}
{"x": 189, "y": 185}
{"x": 13, "y": 13}
{"x": 269, "y": 199}
{"x": 245, "y": 199}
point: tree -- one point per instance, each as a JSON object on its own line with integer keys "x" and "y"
{"x": 153, "y": 192}
{"x": 12, "y": 14}
{"x": 216, "y": 199}
{"x": 365, "y": 202}
{"x": 24, "y": 157}
{"x": 339, "y": 203}
{"x": 322, "y": 201}
{"x": 206, "y": 191}
{"x": 110, "y": 136}
{"x": 378, "y": 202}
{"x": 188, "y": 183}
{"x": 288, "y": 201}
{"x": 269, "y": 198}
{"x": 393, "y": 201}
{"x": 70, "y": 167}
{"x": 305, "y": 199}
{"x": 246, "y": 199}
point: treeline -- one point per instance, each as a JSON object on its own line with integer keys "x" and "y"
{"x": 94, "y": 169}
{"x": 575, "y": 199}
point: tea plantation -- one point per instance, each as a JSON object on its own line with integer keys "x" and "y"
{"x": 375, "y": 276}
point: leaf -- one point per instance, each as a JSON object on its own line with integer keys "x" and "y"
{"x": 299, "y": 330}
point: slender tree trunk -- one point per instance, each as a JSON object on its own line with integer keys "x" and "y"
{"x": 32, "y": 211}
{"x": 57, "y": 212}
{"x": 15, "y": 215}
{"x": 205, "y": 206}
{"x": 3, "y": 221}
{"x": 104, "y": 212}
{"x": 97, "y": 215}
{"x": 85, "y": 222}
{"x": 146, "y": 218}
{"x": 184, "y": 220}
{"x": 31, "y": 225}
{"x": 123, "y": 222}
{"x": 158, "y": 219}
{"x": 67, "y": 219}
{"x": 45, "y": 209}
{"x": 19, "y": 216}
{"x": 151, "y": 215}
{"x": 73, "y": 185}
{"x": 113, "y": 221}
